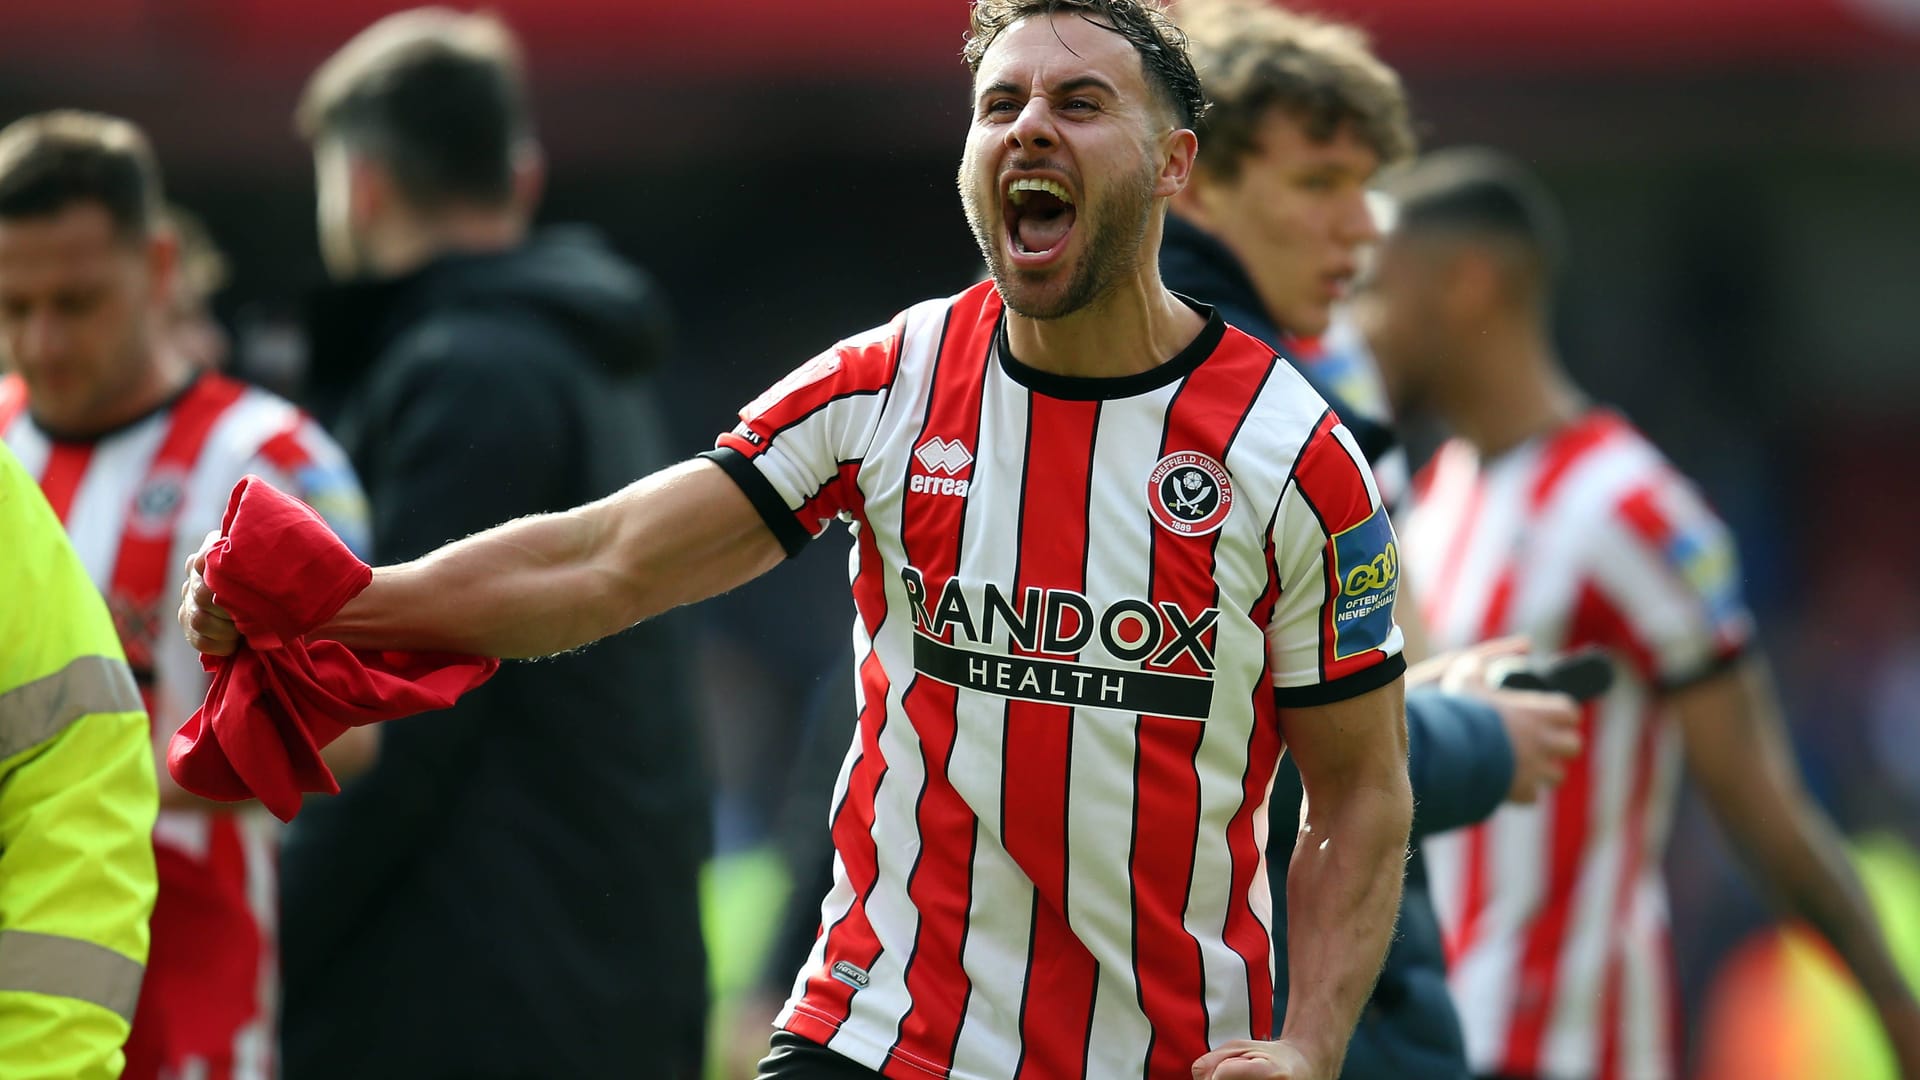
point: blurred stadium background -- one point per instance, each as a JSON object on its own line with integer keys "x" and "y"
{"x": 1742, "y": 178}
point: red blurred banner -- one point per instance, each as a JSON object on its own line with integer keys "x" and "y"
{"x": 707, "y": 40}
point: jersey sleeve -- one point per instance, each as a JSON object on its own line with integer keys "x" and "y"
{"x": 1667, "y": 566}
{"x": 1337, "y": 565}
{"x": 303, "y": 461}
{"x": 798, "y": 445}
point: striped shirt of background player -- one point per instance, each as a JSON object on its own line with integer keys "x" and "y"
{"x": 136, "y": 502}
{"x": 985, "y": 917}
{"x": 1555, "y": 915}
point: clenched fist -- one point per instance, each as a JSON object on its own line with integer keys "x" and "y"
{"x": 1244, "y": 1060}
{"x": 208, "y": 628}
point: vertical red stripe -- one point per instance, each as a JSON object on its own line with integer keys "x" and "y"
{"x": 940, "y": 885}
{"x": 1535, "y": 984}
{"x": 60, "y": 480}
{"x": 1203, "y": 417}
{"x": 140, "y": 569}
{"x": 1465, "y": 930}
{"x": 1244, "y": 932}
{"x": 1061, "y": 973}
{"x": 1611, "y": 1029}
{"x": 823, "y": 1004}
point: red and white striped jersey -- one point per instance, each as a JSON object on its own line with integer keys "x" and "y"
{"x": 136, "y": 503}
{"x": 1080, "y": 602}
{"x": 1555, "y": 914}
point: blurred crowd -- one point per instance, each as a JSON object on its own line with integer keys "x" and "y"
{"x": 615, "y": 857}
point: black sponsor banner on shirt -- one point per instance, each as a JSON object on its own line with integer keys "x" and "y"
{"x": 1056, "y": 682}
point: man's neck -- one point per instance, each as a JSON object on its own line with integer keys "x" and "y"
{"x": 403, "y": 249}
{"x": 1136, "y": 327}
{"x": 1515, "y": 390}
{"x": 161, "y": 379}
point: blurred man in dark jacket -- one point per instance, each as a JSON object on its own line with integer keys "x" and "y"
{"x": 512, "y": 892}
{"x": 1269, "y": 231}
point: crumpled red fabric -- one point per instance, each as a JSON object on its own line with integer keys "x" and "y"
{"x": 282, "y": 697}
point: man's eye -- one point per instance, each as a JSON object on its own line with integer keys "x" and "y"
{"x": 1000, "y": 108}
{"x": 1081, "y": 105}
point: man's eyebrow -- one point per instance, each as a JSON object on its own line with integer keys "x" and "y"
{"x": 1083, "y": 82}
{"x": 1067, "y": 86}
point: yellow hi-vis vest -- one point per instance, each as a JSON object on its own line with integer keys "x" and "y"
{"x": 77, "y": 803}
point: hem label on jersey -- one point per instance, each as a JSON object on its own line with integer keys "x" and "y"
{"x": 851, "y": 975}
{"x": 1366, "y": 567}
{"x": 1056, "y": 682}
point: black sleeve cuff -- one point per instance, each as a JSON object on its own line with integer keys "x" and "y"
{"x": 1719, "y": 665}
{"x": 759, "y": 491}
{"x": 1326, "y": 693}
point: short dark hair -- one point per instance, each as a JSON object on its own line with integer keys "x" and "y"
{"x": 1254, "y": 57}
{"x": 1483, "y": 192}
{"x": 52, "y": 160}
{"x": 435, "y": 95}
{"x": 1143, "y": 23}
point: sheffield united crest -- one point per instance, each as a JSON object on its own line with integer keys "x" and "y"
{"x": 1189, "y": 493}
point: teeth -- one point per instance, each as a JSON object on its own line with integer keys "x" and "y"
{"x": 1018, "y": 189}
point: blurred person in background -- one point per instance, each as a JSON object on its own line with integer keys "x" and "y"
{"x": 1549, "y": 515}
{"x": 77, "y": 806}
{"x": 137, "y": 448}
{"x": 1270, "y": 229}
{"x": 1047, "y": 834}
{"x": 512, "y": 891}
{"x": 195, "y": 332}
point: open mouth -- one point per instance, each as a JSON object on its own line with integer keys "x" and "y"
{"x": 1040, "y": 215}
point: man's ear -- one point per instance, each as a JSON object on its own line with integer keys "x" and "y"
{"x": 163, "y": 267}
{"x": 371, "y": 192}
{"x": 1178, "y": 151}
{"x": 529, "y": 178}
{"x": 1472, "y": 283}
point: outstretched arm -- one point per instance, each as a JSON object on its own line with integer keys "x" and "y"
{"x": 545, "y": 584}
{"x": 1738, "y": 752}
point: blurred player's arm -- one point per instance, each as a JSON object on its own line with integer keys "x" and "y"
{"x": 1739, "y": 753}
{"x": 545, "y": 584}
{"x": 1343, "y": 887}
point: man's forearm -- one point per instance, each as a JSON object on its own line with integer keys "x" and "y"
{"x": 1806, "y": 866}
{"x": 542, "y": 585}
{"x": 1343, "y": 892}
{"x": 527, "y": 588}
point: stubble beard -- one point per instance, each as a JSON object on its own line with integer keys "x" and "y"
{"x": 1116, "y": 230}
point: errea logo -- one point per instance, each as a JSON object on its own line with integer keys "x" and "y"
{"x": 938, "y": 455}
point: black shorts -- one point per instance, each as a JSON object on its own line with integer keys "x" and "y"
{"x": 794, "y": 1058}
